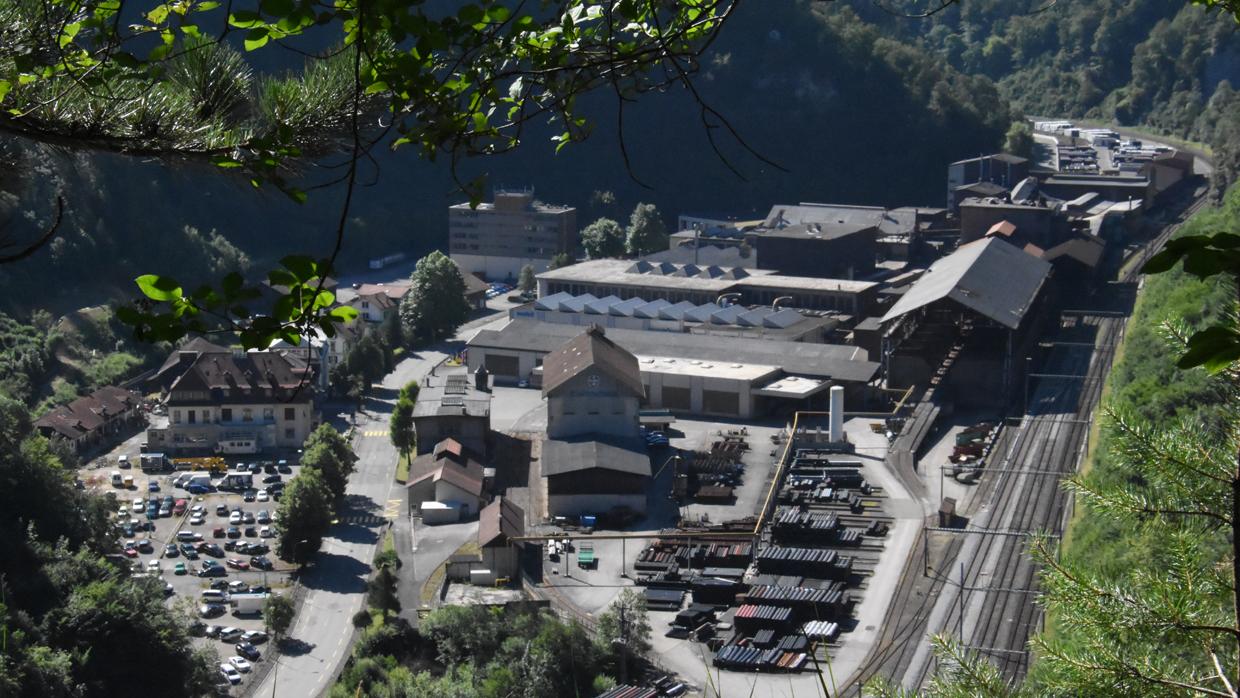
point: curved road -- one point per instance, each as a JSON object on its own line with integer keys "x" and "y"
{"x": 335, "y": 585}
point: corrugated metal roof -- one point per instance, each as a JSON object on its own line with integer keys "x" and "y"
{"x": 988, "y": 276}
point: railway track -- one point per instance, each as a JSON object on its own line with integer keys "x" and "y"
{"x": 989, "y": 600}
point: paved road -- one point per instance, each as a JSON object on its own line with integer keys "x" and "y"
{"x": 336, "y": 584}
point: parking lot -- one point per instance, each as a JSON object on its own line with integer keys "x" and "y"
{"x": 211, "y": 548}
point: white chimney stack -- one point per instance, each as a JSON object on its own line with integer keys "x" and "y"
{"x": 837, "y": 413}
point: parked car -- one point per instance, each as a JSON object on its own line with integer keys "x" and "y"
{"x": 221, "y": 510}
{"x": 248, "y": 651}
{"x": 152, "y": 566}
{"x": 213, "y": 572}
{"x": 237, "y": 586}
{"x": 241, "y": 664}
{"x": 263, "y": 496}
{"x": 211, "y": 610}
{"x": 197, "y": 628}
{"x": 238, "y": 563}
{"x": 198, "y": 488}
{"x": 179, "y": 569}
{"x": 213, "y": 550}
{"x": 265, "y": 532}
{"x": 234, "y": 518}
{"x": 283, "y": 467}
{"x": 234, "y": 532}
{"x": 249, "y": 495}
{"x": 260, "y": 562}
{"x": 231, "y": 634}
{"x": 144, "y": 546}
{"x": 230, "y": 674}
{"x": 250, "y": 532}
{"x": 171, "y": 550}
{"x": 272, "y": 478}
{"x": 254, "y": 637}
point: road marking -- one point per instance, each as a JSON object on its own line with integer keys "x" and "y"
{"x": 392, "y": 510}
{"x": 375, "y": 432}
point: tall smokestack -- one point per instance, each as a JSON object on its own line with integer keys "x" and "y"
{"x": 837, "y": 414}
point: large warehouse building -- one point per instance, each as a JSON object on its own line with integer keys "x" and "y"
{"x": 691, "y": 373}
{"x": 706, "y": 284}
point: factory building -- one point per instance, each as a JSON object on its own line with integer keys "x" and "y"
{"x": 701, "y": 285}
{"x": 593, "y": 458}
{"x": 691, "y": 373}
{"x": 494, "y": 240}
{"x": 975, "y": 311}
{"x": 450, "y": 405}
{"x": 661, "y": 315}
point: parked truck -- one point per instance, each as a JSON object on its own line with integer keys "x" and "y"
{"x": 244, "y": 604}
{"x": 117, "y": 480}
{"x": 154, "y": 463}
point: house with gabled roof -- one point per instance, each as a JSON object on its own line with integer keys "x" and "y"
{"x": 90, "y": 420}
{"x": 594, "y": 458}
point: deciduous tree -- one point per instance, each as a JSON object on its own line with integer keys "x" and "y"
{"x": 400, "y": 428}
{"x": 278, "y": 612}
{"x": 603, "y": 238}
{"x": 327, "y": 452}
{"x": 435, "y": 305}
{"x": 526, "y": 280}
{"x": 646, "y": 232}
{"x": 305, "y": 516}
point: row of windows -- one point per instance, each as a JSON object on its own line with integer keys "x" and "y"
{"x": 226, "y": 415}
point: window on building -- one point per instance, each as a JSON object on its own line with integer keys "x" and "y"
{"x": 269, "y": 413}
{"x": 290, "y": 413}
{"x": 191, "y": 417}
{"x": 176, "y": 416}
{"x": 225, "y": 414}
{"x": 247, "y": 415}
{"x": 365, "y": 304}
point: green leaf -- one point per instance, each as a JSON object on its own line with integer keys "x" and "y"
{"x": 303, "y": 267}
{"x": 256, "y": 38}
{"x": 158, "y": 288}
{"x": 277, "y": 8}
{"x": 5, "y": 86}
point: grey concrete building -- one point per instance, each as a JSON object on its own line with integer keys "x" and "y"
{"x": 453, "y": 404}
{"x": 496, "y": 239}
{"x": 594, "y": 458}
{"x": 737, "y": 377}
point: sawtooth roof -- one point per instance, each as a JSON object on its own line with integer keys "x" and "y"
{"x": 987, "y": 276}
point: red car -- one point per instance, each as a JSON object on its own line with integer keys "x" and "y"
{"x": 131, "y": 552}
{"x": 217, "y": 532}
{"x": 238, "y": 564}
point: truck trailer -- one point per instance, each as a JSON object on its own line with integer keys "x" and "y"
{"x": 248, "y": 604}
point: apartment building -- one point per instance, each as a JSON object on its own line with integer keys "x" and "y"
{"x": 496, "y": 239}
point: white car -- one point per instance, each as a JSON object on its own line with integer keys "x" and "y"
{"x": 139, "y": 504}
{"x": 254, "y": 637}
{"x": 122, "y": 512}
{"x": 152, "y": 566}
{"x": 262, "y": 496}
{"x": 198, "y": 509}
{"x": 196, "y": 520}
{"x": 241, "y": 664}
{"x": 265, "y": 532}
{"x": 235, "y": 518}
{"x": 230, "y": 673}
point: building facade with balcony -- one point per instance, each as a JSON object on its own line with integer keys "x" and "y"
{"x": 236, "y": 402}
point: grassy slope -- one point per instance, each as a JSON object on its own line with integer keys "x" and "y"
{"x": 1144, "y": 379}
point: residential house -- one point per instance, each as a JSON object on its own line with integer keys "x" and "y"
{"x": 376, "y": 302}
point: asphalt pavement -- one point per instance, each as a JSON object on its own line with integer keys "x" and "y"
{"x": 335, "y": 584}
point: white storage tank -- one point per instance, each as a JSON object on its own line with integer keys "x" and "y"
{"x": 484, "y": 578}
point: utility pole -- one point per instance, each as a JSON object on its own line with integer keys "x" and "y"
{"x": 624, "y": 645}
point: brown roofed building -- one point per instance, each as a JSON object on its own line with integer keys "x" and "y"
{"x": 439, "y": 477}
{"x": 226, "y": 402}
{"x": 89, "y": 421}
{"x": 498, "y": 524}
{"x": 594, "y": 458}
{"x": 375, "y": 302}
{"x": 592, "y": 385}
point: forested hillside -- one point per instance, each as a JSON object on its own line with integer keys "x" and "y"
{"x": 1145, "y": 385}
{"x": 851, "y": 115}
{"x": 1173, "y": 66}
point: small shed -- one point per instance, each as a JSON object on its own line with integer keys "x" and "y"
{"x": 498, "y": 524}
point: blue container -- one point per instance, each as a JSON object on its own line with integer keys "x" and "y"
{"x": 588, "y": 521}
